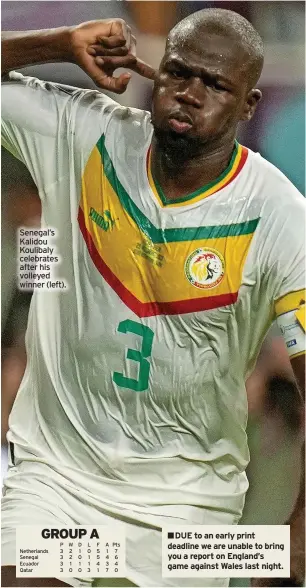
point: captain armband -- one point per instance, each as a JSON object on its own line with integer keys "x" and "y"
{"x": 292, "y": 326}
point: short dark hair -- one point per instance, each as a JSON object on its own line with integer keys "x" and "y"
{"x": 230, "y": 24}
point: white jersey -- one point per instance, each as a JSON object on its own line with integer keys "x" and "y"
{"x": 135, "y": 382}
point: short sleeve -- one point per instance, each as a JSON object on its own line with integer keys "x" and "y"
{"x": 43, "y": 123}
{"x": 285, "y": 249}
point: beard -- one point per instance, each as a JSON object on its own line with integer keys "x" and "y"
{"x": 177, "y": 148}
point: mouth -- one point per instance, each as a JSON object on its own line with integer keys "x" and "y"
{"x": 180, "y": 123}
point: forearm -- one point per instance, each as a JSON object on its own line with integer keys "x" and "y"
{"x": 298, "y": 365}
{"x": 297, "y": 529}
{"x": 298, "y": 514}
{"x": 20, "y": 49}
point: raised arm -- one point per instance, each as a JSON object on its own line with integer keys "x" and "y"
{"x": 98, "y": 47}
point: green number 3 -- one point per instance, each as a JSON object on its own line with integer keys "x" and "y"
{"x": 147, "y": 335}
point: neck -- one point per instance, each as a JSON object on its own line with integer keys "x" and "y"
{"x": 181, "y": 176}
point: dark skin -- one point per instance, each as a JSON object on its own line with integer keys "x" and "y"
{"x": 297, "y": 517}
{"x": 211, "y": 84}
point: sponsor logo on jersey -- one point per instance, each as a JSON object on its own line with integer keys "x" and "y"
{"x": 149, "y": 251}
{"x": 291, "y": 343}
{"x": 204, "y": 268}
{"x": 104, "y": 220}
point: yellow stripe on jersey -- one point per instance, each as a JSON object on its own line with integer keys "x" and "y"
{"x": 150, "y": 264}
{"x": 237, "y": 162}
{"x": 290, "y": 301}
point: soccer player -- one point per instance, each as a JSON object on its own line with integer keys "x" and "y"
{"x": 180, "y": 247}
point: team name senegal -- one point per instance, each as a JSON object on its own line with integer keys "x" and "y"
{"x": 37, "y": 232}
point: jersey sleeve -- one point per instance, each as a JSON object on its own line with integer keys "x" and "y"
{"x": 289, "y": 258}
{"x": 43, "y": 121}
{"x": 287, "y": 270}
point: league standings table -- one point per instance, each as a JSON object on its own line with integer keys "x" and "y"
{"x": 83, "y": 552}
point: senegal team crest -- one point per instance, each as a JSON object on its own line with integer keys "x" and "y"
{"x": 204, "y": 268}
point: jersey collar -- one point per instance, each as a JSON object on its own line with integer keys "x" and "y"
{"x": 235, "y": 165}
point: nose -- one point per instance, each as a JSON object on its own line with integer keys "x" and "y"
{"x": 189, "y": 93}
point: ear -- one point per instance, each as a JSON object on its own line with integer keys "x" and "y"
{"x": 253, "y": 98}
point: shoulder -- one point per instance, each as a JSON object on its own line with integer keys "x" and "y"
{"x": 80, "y": 115}
{"x": 277, "y": 194}
{"x": 89, "y": 101}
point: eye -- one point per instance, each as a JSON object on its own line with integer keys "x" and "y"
{"x": 214, "y": 83}
{"x": 218, "y": 86}
{"x": 176, "y": 72}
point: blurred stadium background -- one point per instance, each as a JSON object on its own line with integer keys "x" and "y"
{"x": 277, "y": 132}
